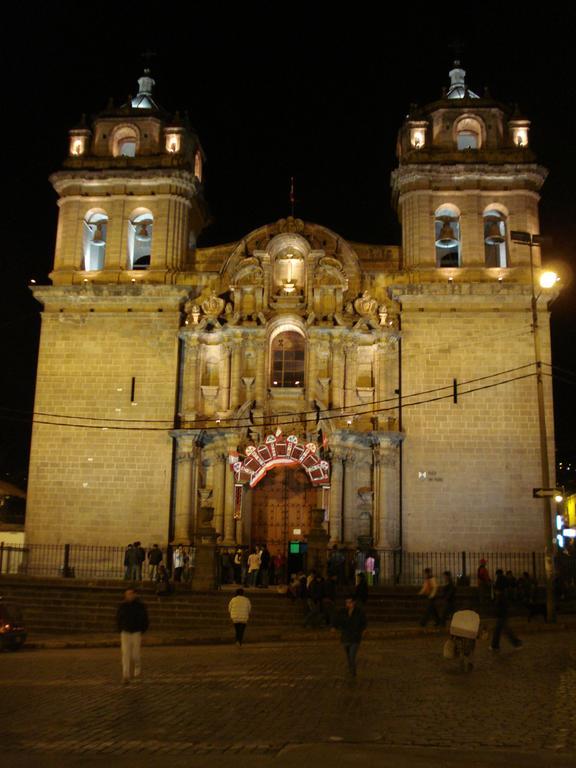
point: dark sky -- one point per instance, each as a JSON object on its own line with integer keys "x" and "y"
{"x": 274, "y": 90}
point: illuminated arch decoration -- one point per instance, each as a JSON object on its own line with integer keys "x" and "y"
{"x": 278, "y": 450}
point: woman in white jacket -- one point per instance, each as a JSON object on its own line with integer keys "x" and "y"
{"x": 239, "y": 609}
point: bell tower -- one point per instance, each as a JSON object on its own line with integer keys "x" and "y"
{"x": 466, "y": 177}
{"x": 130, "y": 196}
{"x": 131, "y": 208}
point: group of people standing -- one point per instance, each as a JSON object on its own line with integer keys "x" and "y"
{"x": 255, "y": 567}
{"x": 158, "y": 567}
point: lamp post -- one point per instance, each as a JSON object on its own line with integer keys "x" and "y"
{"x": 547, "y": 280}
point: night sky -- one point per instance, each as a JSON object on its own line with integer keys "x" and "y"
{"x": 274, "y": 90}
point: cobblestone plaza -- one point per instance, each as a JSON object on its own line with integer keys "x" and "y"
{"x": 292, "y": 704}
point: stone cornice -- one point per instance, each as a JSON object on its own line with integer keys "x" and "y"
{"x": 112, "y": 298}
{"x": 453, "y": 175}
{"x": 63, "y": 181}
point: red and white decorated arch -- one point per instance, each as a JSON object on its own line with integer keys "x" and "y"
{"x": 277, "y": 451}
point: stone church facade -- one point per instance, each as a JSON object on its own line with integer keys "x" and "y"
{"x": 392, "y": 387}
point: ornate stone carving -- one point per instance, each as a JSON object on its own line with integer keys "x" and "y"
{"x": 214, "y": 306}
{"x": 192, "y": 312}
{"x": 290, "y": 225}
{"x": 366, "y": 306}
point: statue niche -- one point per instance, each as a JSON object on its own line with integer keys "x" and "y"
{"x": 330, "y": 284}
{"x": 247, "y": 288}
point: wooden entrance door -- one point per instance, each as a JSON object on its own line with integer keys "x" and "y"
{"x": 281, "y": 503}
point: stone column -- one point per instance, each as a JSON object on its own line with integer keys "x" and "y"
{"x": 261, "y": 372}
{"x": 191, "y": 378}
{"x": 337, "y": 373}
{"x": 350, "y": 397}
{"x": 224, "y": 378}
{"x": 205, "y": 565}
{"x": 336, "y": 474}
{"x": 386, "y": 495}
{"x": 186, "y": 458}
{"x": 349, "y": 507}
{"x": 380, "y": 372}
{"x": 219, "y": 494}
{"x": 229, "y": 498}
{"x": 236, "y": 369}
{"x": 312, "y": 374}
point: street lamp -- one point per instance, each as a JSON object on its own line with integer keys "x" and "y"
{"x": 547, "y": 280}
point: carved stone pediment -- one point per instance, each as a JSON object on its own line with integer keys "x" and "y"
{"x": 249, "y": 272}
{"x": 329, "y": 273}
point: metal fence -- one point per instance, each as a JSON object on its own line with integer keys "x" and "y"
{"x": 81, "y": 561}
{"x": 85, "y": 561}
{"x": 393, "y": 567}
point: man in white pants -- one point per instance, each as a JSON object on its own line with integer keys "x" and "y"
{"x": 132, "y": 618}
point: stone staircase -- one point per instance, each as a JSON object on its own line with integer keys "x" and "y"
{"x": 71, "y": 606}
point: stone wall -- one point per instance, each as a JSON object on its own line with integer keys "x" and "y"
{"x": 470, "y": 466}
{"x": 99, "y": 481}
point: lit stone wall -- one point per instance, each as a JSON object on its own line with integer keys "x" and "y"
{"x": 470, "y": 466}
{"x": 89, "y": 484}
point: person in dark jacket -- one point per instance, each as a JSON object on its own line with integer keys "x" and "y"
{"x": 132, "y": 620}
{"x": 501, "y": 611}
{"x": 351, "y": 621}
{"x": 361, "y": 591}
{"x": 447, "y": 597}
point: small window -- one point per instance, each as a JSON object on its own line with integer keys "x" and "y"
{"x": 467, "y": 140}
{"x": 198, "y": 166}
{"x": 124, "y": 141}
{"x": 94, "y": 241}
{"x": 447, "y": 236}
{"x": 288, "y": 354}
{"x": 495, "y": 249}
{"x": 140, "y": 229}
{"x": 468, "y": 133}
{"x": 127, "y": 148}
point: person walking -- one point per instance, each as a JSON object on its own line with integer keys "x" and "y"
{"x": 351, "y": 621}
{"x": 429, "y": 590}
{"x": 448, "y": 597}
{"x": 501, "y": 611}
{"x": 132, "y": 621}
{"x": 239, "y": 609}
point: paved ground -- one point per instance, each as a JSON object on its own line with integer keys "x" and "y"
{"x": 292, "y": 705}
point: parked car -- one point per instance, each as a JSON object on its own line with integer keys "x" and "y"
{"x": 12, "y": 632}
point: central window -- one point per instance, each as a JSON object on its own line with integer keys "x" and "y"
{"x": 287, "y": 357}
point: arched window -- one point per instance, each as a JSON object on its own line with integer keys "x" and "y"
{"x": 140, "y": 229}
{"x": 468, "y": 133}
{"x": 94, "y": 240}
{"x": 124, "y": 142}
{"x": 198, "y": 165}
{"x": 447, "y": 236}
{"x": 287, "y": 355}
{"x": 495, "y": 250}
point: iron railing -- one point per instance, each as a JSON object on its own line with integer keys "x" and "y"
{"x": 85, "y": 561}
